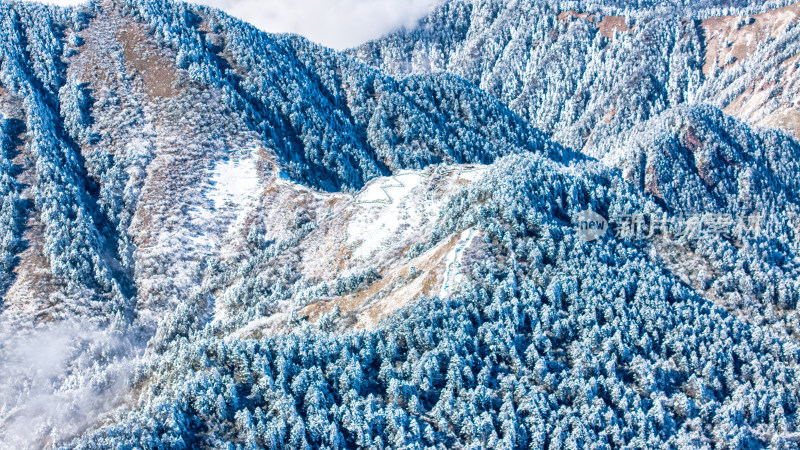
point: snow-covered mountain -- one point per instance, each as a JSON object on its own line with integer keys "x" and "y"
{"x": 212, "y": 236}
{"x": 583, "y": 73}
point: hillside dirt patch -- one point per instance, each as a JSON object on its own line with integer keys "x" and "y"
{"x": 611, "y": 24}
{"x": 732, "y": 39}
{"x": 607, "y": 26}
{"x": 395, "y": 289}
{"x": 141, "y": 54}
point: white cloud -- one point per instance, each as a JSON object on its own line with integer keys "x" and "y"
{"x": 336, "y": 23}
{"x": 55, "y": 382}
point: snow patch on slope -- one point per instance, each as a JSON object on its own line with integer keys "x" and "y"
{"x": 233, "y": 188}
{"x": 214, "y": 210}
{"x": 387, "y": 209}
{"x": 235, "y": 182}
{"x": 391, "y": 209}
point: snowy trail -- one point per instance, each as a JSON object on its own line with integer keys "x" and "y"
{"x": 453, "y": 274}
{"x": 380, "y": 194}
{"x": 471, "y": 174}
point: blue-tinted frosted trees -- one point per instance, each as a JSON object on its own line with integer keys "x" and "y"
{"x": 10, "y": 205}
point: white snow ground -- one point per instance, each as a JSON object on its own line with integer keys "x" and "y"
{"x": 386, "y": 210}
{"x": 235, "y": 183}
{"x": 393, "y": 208}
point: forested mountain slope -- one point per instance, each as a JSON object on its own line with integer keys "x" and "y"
{"x": 583, "y": 73}
{"x": 547, "y": 333}
{"x": 696, "y": 161}
{"x": 212, "y": 236}
{"x": 166, "y": 94}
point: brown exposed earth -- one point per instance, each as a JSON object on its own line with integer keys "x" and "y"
{"x": 142, "y": 55}
{"x": 607, "y": 26}
{"x": 770, "y": 99}
{"x": 732, "y": 39}
{"x": 398, "y": 286}
{"x": 611, "y": 24}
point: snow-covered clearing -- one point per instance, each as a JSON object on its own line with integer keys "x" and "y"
{"x": 392, "y": 209}
{"x": 472, "y": 173}
{"x": 387, "y": 210}
{"x": 232, "y": 191}
{"x": 235, "y": 183}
